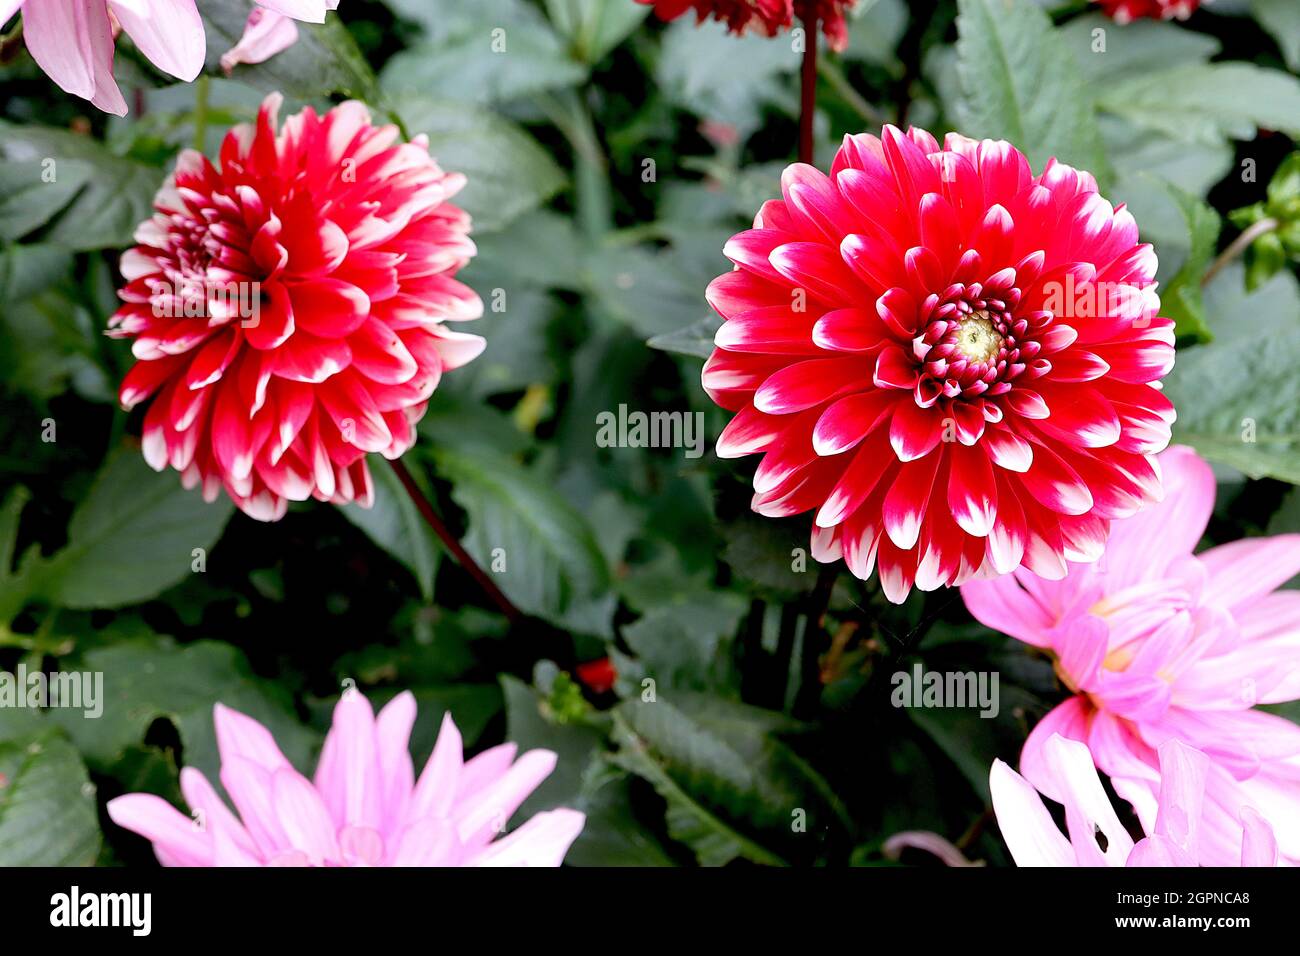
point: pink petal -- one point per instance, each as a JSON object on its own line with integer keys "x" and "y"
{"x": 491, "y": 809}
{"x": 1246, "y": 570}
{"x": 1258, "y": 845}
{"x": 435, "y": 794}
{"x": 542, "y": 841}
{"x": 1087, "y": 808}
{"x": 1182, "y": 790}
{"x": 303, "y": 816}
{"x": 349, "y": 784}
{"x": 1002, "y": 604}
{"x": 172, "y": 833}
{"x": 1142, "y": 547}
{"x": 265, "y": 34}
{"x": 1028, "y": 829}
{"x": 397, "y": 773}
{"x": 60, "y": 39}
{"x": 239, "y": 735}
{"x": 168, "y": 32}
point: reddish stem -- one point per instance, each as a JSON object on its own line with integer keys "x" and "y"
{"x": 808, "y": 89}
{"x": 484, "y": 580}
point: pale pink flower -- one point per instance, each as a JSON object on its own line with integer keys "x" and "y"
{"x": 1159, "y": 644}
{"x": 364, "y": 807}
{"x": 73, "y": 40}
{"x": 268, "y": 33}
{"x": 1096, "y": 837}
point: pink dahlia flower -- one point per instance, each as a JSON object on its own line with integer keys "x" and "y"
{"x": 768, "y": 17}
{"x": 1126, "y": 11}
{"x": 73, "y": 40}
{"x": 1158, "y": 644}
{"x": 953, "y": 361}
{"x": 288, "y": 308}
{"x": 365, "y": 807}
{"x": 1034, "y": 840}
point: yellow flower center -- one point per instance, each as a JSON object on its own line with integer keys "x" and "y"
{"x": 977, "y": 340}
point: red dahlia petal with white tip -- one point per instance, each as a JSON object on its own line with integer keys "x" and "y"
{"x": 765, "y": 17}
{"x": 287, "y": 308}
{"x": 1125, "y": 11}
{"x": 953, "y": 362}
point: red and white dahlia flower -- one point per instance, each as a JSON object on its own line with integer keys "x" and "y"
{"x": 364, "y": 806}
{"x": 955, "y": 362}
{"x": 769, "y": 17}
{"x": 1126, "y": 11}
{"x": 288, "y": 308}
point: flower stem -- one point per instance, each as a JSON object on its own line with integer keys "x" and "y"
{"x": 1238, "y": 246}
{"x": 808, "y": 89}
{"x": 833, "y": 75}
{"x": 431, "y": 518}
{"x": 201, "y": 90}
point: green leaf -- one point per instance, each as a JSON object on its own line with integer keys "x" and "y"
{"x": 693, "y": 771}
{"x": 972, "y": 741}
{"x": 508, "y": 173}
{"x": 131, "y": 538}
{"x": 516, "y": 355}
{"x": 552, "y": 563}
{"x": 697, "y": 71}
{"x": 95, "y": 201}
{"x": 1238, "y": 398}
{"x": 583, "y": 780}
{"x": 1286, "y": 519}
{"x": 763, "y": 552}
{"x": 726, "y": 759}
{"x": 1138, "y": 156}
{"x": 695, "y": 339}
{"x": 16, "y": 584}
{"x": 1107, "y": 53}
{"x": 47, "y": 803}
{"x": 324, "y": 60}
{"x": 542, "y": 251}
{"x": 653, "y": 292}
{"x": 1281, "y": 18}
{"x": 876, "y": 28}
{"x": 1208, "y": 102}
{"x": 28, "y": 269}
{"x": 680, "y": 644}
{"x": 594, "y": 27}
{"x": 1181, "y": 298}
{"x": 28, "y": 200}
{"x": 147, "y": 679}
{"x": 488, "y": 51}
{"x": 48, "y": 342}
{"x": 1019, "y": 83}
{"x": 394, "y": 523}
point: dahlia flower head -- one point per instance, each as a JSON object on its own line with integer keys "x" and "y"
{"x": 73, "y": 40}
{"x": 1158, "y": 644}
{"x": 1126, "y": 11}
{"x": 1034, "y": 839}
{"x": 288, "y": 308}
{"x": 364, "y": 806}
{"x": 953, "y": 361}
{"x": 768, "y": 17}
